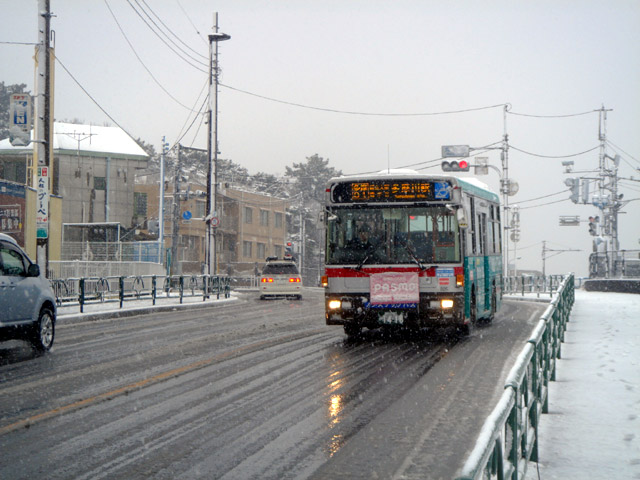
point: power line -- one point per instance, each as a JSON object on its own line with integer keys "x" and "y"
{"x": 529, "y": 246}
{"x": 350, "y": 112}
{"x": 159, "y": 31}
{"x": 615, "y": 147}
{"x": 190, "y": 21}
{"x": 18, "y": 43}
{"x": 171, "y": 32}
{"x": 202, "y": 120}
{"x": 182, "y": 135}
{"x": 543, "y": 204}
{"x": 92, "y": 99}
{"x": 553, "y": 156}
{"x": 552, "y": 116}
{"x": 142, "y": 63}
{"x": 165, "y": 42}
{"x": 544, "y": 196}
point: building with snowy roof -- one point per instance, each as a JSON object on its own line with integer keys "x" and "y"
{"x": 93, "y": 171}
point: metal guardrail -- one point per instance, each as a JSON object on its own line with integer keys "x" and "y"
{"x": 509, "y": 438}
{"x": 539, "y": 284}
{"x": 86, "y": 290}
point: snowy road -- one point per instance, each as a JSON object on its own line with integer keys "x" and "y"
{"x": 250, "y": 389}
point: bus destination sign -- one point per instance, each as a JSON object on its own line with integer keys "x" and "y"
{"x": 390, "y": 191}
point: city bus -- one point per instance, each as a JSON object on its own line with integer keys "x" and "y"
{"x": 411, "y": 250}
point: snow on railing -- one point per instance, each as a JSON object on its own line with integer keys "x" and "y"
{"x": 539, "y": 284}
{"x": 508, "y": 439}
{"x": 87, "y": 290}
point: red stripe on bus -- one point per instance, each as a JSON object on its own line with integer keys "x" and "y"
{"x": 340, "y": 272}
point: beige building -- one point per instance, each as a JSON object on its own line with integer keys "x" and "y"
{"x": 251, "y": 226}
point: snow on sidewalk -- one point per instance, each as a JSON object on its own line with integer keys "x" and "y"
{"x": 592, "y": 430}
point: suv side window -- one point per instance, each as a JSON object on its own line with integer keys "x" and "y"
{"x": 11, "y": 262}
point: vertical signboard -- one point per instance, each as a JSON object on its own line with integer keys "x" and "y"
{"x": 42, "y": 214}
{"x": 20, "y": 119}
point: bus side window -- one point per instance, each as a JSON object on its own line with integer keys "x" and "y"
{"x": 482, "y": 233}
{"x": 472, "y": 230}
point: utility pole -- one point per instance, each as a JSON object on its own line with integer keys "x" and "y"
{"x": 505, "y": 188}
{"x": 43, "y": 133}
{"x": 175, "y": 234}
{"x": 607, "y": 200}
{"x": 212, "y": 147}
{"x": 161, "y": 202}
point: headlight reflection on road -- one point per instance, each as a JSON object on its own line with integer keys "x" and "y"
{"x": 335, "y": 444}
{"x": 335, "y": 406}
{"x": 335, "y": 398}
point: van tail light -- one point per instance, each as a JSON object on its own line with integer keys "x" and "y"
{"x": 266, "y": 280}
{"x": 294, "y": 280}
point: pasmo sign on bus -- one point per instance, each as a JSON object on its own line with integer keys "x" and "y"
{"x": 392, "y": 287}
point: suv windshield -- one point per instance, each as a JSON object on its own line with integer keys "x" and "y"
{"x": 280, "y": 269}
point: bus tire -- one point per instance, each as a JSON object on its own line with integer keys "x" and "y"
{"x": 352, "y": 329}
{"x": 473, "y": 312}
{"x": 494, "y": 304}
{"x": 464, "y": 330}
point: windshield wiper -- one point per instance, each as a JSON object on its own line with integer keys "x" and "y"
{"x": 367, "y": 255}
{"x": 413, "y": 255}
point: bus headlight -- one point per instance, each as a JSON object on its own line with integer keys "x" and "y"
{"x": 446, "y": 303}
{"x": 334, "y": 304}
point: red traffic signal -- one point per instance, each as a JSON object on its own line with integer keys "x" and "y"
{"x": 455, "y": 166}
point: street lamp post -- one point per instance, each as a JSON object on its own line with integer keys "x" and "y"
{"x": 212, "y": 148}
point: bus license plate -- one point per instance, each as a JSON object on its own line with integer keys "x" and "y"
{"x": 392, "y": 318}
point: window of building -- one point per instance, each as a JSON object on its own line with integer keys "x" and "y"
{"x": 99, "y": 183}
{"x": 246, "y": 249}
{"x": 248, "y": 215}
{"x": 278, "y": 220}
{"x": 277, "y": 251}
{"x": 262, "y": 250}
{"x": 264, "y": 218}
{"x": 200, "y": 209}
{"x": 140, "y": 204}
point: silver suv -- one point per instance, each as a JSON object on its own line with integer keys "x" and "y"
{"x": 280, "y": 278}
{"x": 27, "y": 302}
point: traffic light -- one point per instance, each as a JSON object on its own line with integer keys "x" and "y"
{"x": 455, "y": 166}
{"x": 574, "y": 186}
{"x": 288, "y": 249}
{"x": 592, "y": 225}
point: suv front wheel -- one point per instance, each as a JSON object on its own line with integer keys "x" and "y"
{"x": 44, "y": 331}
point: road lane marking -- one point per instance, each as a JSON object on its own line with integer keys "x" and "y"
{"x": 132, "y": 387}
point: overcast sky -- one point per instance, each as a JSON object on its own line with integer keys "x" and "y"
{"x": 543, "y": 58}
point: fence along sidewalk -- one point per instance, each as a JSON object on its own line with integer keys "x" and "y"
{"x": 508, "y": 440}
{"x": 86, "y": 290}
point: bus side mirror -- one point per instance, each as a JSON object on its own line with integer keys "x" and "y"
{"x": 462, "y": 218}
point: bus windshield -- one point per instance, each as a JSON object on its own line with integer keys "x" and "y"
{"x": 392, "y": 235}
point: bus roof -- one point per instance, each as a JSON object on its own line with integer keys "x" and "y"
{"x": 468, "y": 184}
